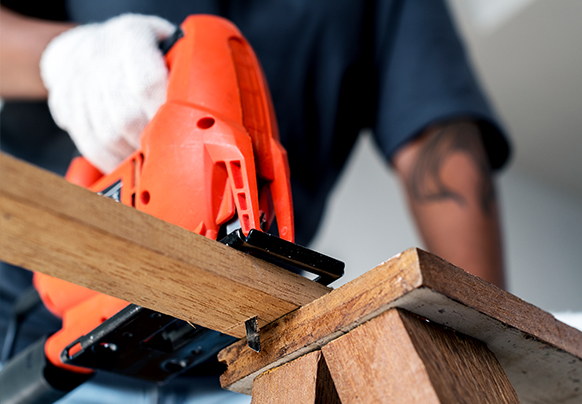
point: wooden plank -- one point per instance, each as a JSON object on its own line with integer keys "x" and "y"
{"x": 541, "y": 356}
{"x": 305, "y": 380}
{"x": 461, "y": 368}
{"x": 377, "y": 363}
{"x": 51, "y": 226}
{"x": 400, "y": 358}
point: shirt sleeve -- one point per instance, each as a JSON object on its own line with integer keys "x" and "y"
{"x": 424, "y": 77}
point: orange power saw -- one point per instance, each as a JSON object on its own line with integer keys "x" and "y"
{"x": 210, "y": 161}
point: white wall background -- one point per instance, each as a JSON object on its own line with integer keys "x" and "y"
{"x": 523, "y": 52}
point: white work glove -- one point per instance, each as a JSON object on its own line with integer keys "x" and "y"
{"x": 105, "y": 82}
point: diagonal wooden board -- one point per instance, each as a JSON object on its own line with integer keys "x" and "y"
{"x": 541, "y": 356}
{"x": 51, "y": 226}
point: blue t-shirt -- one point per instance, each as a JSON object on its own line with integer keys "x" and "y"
{"x": 337, "y": 66}
{"x": 333, "y": 67}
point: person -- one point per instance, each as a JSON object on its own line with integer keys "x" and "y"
{"x": 333, "y": 67}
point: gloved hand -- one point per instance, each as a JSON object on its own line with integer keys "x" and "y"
{"x": 105, "y": 82}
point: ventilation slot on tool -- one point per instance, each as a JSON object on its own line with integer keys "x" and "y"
{"x": 237, "y": 176}
{"x": 254, "y": 112}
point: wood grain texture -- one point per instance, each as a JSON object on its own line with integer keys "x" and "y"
{"x": 441, "y": 276}
{"x": 461, "y": 368}
{"x": 399, "y": 358}
{"x": 54, "y": 227}
{"x": 305, "y": 380}
{"x": 541, "y": 356}
{"x": 377, "y": 363}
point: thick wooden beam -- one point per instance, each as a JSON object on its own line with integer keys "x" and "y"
{"x": 541, "y": 356}
{"x": 398, "y": 357}
{"x": 51, "y": 226}
{"x": 305, "y": 380}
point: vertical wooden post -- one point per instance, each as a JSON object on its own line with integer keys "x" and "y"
{"x": 305, "y": 380}
{"x": 398, "y": 357}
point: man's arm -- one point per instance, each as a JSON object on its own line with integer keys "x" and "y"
{"x": 22, "y": 41}
{"x": 452, "y": 197}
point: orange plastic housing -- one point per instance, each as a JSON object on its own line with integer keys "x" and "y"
{"x": 211, "y": 153}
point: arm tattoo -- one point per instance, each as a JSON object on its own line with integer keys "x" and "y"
{"x": 425, "y": 182}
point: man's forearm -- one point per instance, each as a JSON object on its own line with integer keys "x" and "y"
{"x": 22, "y": 41}
{"x": 452, "y": 197}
